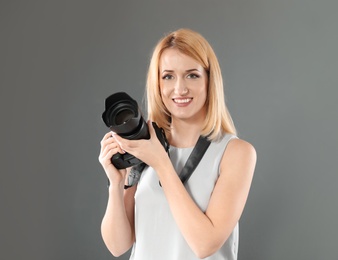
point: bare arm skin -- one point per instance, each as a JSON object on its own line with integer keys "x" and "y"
{"x": 117, "y": 227}
{"x": 205, "y": 232}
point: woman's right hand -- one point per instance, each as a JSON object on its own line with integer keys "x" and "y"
{"x": 109, "y": 147}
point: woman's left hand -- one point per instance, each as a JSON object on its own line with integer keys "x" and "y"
{"x": 150, "y": 151}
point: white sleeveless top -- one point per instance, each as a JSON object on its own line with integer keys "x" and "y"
{"x": 157, "y": 235}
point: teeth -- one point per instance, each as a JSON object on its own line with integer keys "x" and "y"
{"x": 181, "y": 101}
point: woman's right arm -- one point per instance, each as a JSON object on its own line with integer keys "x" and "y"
{"x": 117, "y": 226}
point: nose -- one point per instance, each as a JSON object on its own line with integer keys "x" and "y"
{"x": 180, "y": 87}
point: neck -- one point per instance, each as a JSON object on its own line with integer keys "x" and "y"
{"x": 184, "y": 134}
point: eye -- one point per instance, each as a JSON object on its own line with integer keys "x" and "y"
{"x": 193, "y": 76}
{"x": 167, "y": 77}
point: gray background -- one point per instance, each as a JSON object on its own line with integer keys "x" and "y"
{"x": 60, "y": 59}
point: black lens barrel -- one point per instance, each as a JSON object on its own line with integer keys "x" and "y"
{"x": 122, "y": 116}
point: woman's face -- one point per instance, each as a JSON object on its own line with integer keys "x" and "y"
{"x": 183, "y": 86}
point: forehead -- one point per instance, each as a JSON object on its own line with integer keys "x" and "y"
{"x": 173, "y": 59}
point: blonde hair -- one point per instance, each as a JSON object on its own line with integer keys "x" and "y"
{"x": 218, "y": 119}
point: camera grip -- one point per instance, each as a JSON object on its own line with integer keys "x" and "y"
{"x": 122, "y": 161}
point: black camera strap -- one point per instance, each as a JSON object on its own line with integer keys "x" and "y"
{"x": 194, "y": 158}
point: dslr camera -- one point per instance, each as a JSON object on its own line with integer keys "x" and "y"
{"x": 123, "y": 116}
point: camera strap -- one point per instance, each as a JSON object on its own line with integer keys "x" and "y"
{"x": 194, "y": 158}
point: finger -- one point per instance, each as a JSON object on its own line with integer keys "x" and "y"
{"x": 105, "y": 142}
{"x": 123, "y": 143}
{"x": 105, "y": 157}
{"x": 107, "y": 136}
{"x": 116, "y": 147}
{"x": 111, "y": 145}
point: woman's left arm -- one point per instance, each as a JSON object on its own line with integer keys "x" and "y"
{"x": 205, "y": 232}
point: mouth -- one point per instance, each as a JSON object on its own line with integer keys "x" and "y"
{"x": 182, "y": 100}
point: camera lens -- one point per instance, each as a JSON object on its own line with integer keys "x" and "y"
{"x": 123, "y": 116}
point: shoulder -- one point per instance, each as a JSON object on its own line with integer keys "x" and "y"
{"x": 240, "y": 147}
{"x": 239, "y": 153}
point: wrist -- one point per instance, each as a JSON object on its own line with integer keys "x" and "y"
{"x": 113, "y": 186}
{"x": 115, "y": 190}
{"x": 163, "y": 163}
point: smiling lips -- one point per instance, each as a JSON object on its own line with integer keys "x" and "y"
{"x": 182, "y": 100}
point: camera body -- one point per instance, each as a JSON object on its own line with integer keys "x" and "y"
{"x": 123, "y": 116}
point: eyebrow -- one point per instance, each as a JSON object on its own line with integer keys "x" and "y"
{"x": 189, "y": 70}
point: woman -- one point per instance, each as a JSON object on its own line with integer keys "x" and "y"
{"x": 198, "y": 219}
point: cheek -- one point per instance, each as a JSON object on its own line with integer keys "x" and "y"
{"x": 201, "y": 88}
{"x": 203, "y": 94}
{"x": 164, "y": 95}
{"x": 165, "y": 91}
